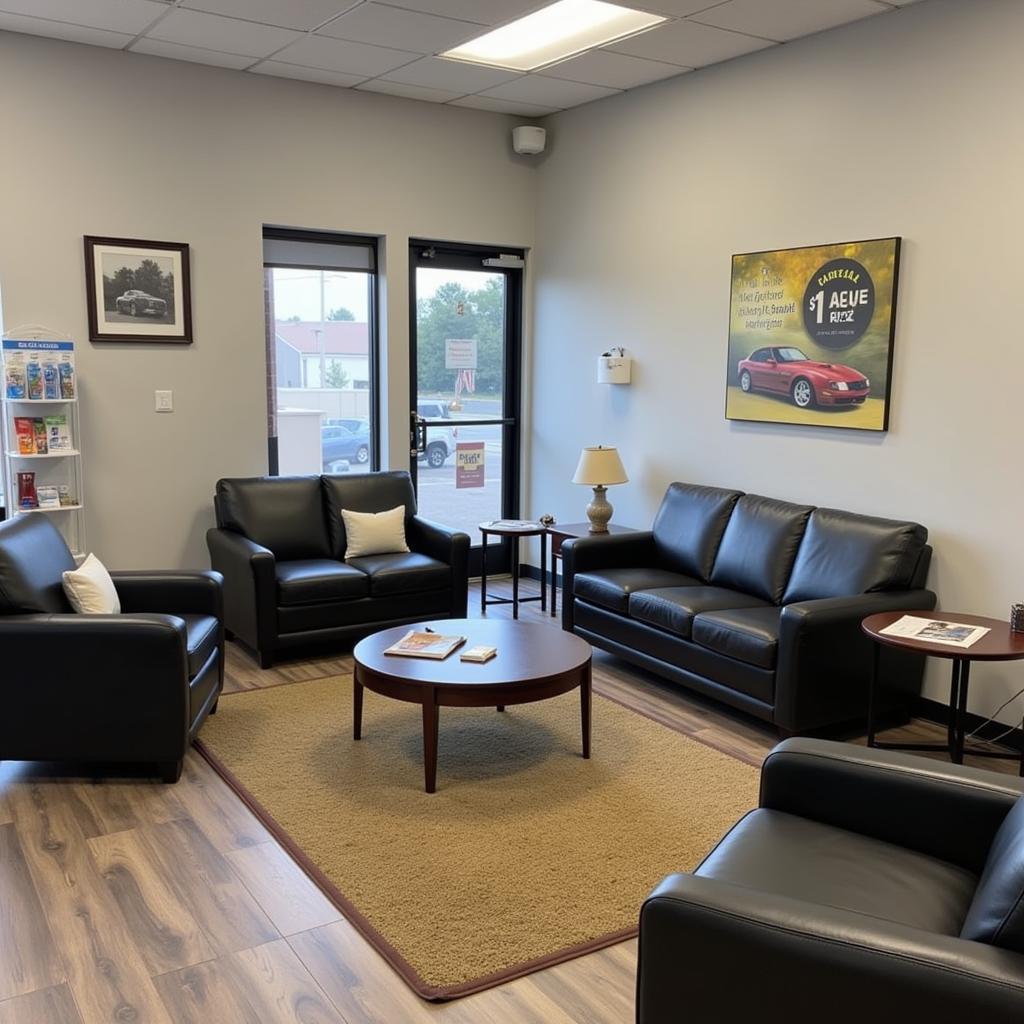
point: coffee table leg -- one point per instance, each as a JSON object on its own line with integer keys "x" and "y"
{"x": 585, "y": 708}
{"x": 483, "y": 575}
{"x": 501, "y": 707}
{"x": 430, "y": 721}
{"x": 357, "y": 709}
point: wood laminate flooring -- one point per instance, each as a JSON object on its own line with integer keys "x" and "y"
{"x": 128, "y": 900}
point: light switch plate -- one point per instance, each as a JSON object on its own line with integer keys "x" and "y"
{"x": 165, "y": 401}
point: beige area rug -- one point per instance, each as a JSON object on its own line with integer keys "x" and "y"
{"x": 526, "y": 856}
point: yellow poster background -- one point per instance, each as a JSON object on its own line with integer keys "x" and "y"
{"x": 774, "y": 282}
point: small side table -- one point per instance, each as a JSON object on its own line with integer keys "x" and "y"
{"x": 560, "y": 533}
{"x": 516, "y": 533}
{"x": 1000, "y": 643}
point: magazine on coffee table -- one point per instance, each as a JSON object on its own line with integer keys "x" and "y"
{"x": 423, "y": 644}
{"x": 936, "y": 631}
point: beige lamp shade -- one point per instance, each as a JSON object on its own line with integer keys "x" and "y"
{"x": 600, "y": 466}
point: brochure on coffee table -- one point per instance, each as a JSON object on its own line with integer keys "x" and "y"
{"x": 419, "y": 644}
{"x": 936, "y": 631}
{"x": 513, "y": 524}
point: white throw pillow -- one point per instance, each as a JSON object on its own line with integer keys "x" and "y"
{"x": 90, "y": 589}
{"x": 374, "y": 533}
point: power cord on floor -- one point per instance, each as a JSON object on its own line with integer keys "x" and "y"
{"x": 992, "y": 718}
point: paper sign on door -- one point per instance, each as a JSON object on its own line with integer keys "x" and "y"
{"x": 469, "y": 464}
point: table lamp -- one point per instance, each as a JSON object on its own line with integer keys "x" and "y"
{"x": 600, "y": 466}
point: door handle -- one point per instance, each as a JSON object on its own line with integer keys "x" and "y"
{"x": 417, "y": 433}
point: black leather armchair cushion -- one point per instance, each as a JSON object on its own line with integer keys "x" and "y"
{"x": 747, "y": 634}
{"x": 689, "y": 526}
{"x": 284, "y": 514}
{"x": 759, "y": 546}
{"x": 35, "y": 557}
{"x": 843, "y": 553}
{"x": 369, "y": 492}
{"x": 202, "y": 637}
{"x": 673, "y": 608}
{"x": 611, "y": 588}
{"x": 775, "y": 852}
{"x": 313, "y": 580}
{"x": 997, "y": 913}
{"x": 403, "y": 572}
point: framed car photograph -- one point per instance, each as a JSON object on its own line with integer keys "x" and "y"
{"x": 137, "y": 290}
{"x": 811, "y": 335}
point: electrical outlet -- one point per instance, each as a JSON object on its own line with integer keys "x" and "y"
{"x": 165, "y": 401}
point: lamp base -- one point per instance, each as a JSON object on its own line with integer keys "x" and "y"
{"x": 599, "y": 511}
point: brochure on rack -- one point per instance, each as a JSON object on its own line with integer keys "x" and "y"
{"x": 936, "y": 631}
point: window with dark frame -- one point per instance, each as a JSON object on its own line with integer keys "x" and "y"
{"x": 320, "y": 307}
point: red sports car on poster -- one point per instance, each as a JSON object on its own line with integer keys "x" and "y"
{"x": 787, "y": 371}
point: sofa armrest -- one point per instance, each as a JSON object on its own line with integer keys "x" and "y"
{"x": 825, "y": 660}
{"x": 899, "y": 798}
{"x": 94, "y": 687}
{"x": 250, "y": 586}
{"x": 612, "y": 551}
{"x": 171, "y": 592}
{"x": 711, "y": 951}
{"x": 446, "y": 545}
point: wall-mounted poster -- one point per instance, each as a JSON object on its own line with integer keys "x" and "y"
{"x": 811, "y": 334}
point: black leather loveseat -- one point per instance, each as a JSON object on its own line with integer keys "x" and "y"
{"x": 867, "y": 886}
{"x": 756, "y": 602}
{"x": 133, "y": 687}
{"x": 280, "y": 544}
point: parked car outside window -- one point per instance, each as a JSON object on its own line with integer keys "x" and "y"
{"x": 440, "y": 440}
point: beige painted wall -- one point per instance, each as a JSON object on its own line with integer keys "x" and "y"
{"x": 905, "y": 124}
{"x": 108, "y": 143}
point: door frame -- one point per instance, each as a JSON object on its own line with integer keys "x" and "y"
{"x": 470, "y": 256}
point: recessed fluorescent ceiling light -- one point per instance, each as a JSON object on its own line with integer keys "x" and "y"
{"x": 552, "y": 34}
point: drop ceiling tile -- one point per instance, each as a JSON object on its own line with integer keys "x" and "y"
{"x": 783, "y": 20}
{"x": 504, "y": 106}
{"x": 405, "y": 30}
{"x": 62, "y": 30}
{"x": 126, "y": 16}
{"x": 549, "y": 92}
{"x": 341, "y": 55}
{"x": 674, "y": 8}
{"x": 284, "y": 13}
{"x": 195, "y": 54}
{"x": 688, "y": 44}
{"x": 615, "y": 70}
{"x": 453, "y": 75}
{"x": 227, "y": 35}
{"x": 410, "y": 92}
{"x": 281, "y": 70}
{"x": 482, "y": 12}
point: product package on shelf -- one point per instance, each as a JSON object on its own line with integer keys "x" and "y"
{"x": 39, "y": 371}
{"x": 48, "y": 496}
{"x": 24, "y": 427}
{"x": 14, "y": 374}
{"x": 27, "y": 497}
{"x": 58, "y": 434}
{"x": 67, "y": 499}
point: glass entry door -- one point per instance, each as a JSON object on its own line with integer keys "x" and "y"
{"x": 465, "y": 339}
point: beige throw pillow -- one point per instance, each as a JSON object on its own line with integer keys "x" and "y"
{"x": 90, "y": 589}
{"x": 374, "y": 533}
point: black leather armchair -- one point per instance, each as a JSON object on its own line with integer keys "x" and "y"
{"x": 867, "y": 886}
{"x": 133, "y": 687}
{"x": 280, "y": 544}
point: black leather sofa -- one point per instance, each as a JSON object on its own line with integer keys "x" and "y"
{"x": 867, "y": 886}
{"x": 280, "y": 545}
{"x": 755, "y": 602}
{"x": 133, "y": 687}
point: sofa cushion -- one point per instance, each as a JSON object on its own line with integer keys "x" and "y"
{"x": 774, "y": 852}
{"x": 689, "y": 526}
{"x": 673, "y": 608}
{"x": 284, "y": 514}
{"x": 845, "y": 554}
{"x": 313, "y": 580}
{"x": 759, "y": 546}
{"x": 997, "y": 911}
{"x": 33, "y": 558}
{"x": 611, "y": 587}
{"x": 202, "y": 633}
{"x": 402, "y": 573}
{"x": 363, "y": 492}
{"x": 747, "y": 634}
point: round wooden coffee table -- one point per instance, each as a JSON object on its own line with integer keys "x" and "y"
{"x": 533, "y": 663}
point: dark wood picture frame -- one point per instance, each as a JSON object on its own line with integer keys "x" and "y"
{"x": 140, "y": 320}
